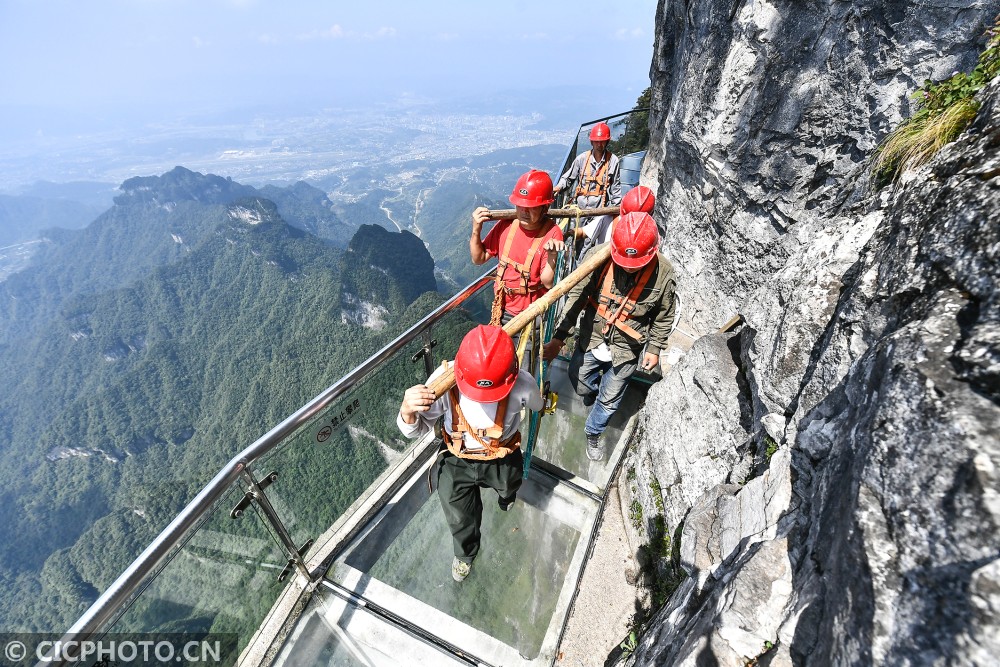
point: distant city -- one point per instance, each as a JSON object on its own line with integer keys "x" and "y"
{"x": 398, "y": 154}
{"x": 282, "y": 147}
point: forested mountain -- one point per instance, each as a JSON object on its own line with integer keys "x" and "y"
{"x": 307, "y": 207}
{"x": 143, "y": 352}
{"x": 156, "y": 220}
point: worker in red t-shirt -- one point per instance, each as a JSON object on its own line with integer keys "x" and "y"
{"x": 526, "y": 248}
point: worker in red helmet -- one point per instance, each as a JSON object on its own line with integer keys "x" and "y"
{"x": 628, "y": 313}
{"x": 596, "y": 173}
{"x": 598, "y": 230}
{"x": 526, "y": 248}
{"x": 482, "y": 440}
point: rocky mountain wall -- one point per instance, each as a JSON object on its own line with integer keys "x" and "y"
{"x": 830, "y": 467}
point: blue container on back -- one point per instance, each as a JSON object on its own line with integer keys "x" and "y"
{"x": 629, "y": 167}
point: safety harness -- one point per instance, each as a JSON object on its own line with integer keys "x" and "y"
{"x": 523, "y": 269}
{"x": 596, "y": 184}
{"x": 614, "y": 309}
{"x": 489, "y": 438}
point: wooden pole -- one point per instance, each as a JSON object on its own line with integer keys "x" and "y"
{"x": 444, "y": 382}
{"x": 506, "y": 214}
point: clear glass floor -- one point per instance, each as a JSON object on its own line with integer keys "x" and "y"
{"x": 390, "y": 596}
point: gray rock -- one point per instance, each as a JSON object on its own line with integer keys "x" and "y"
{"x": 772, "y": 107}
{"x": 870, "y": 349}
{"x": 698, "y": 411}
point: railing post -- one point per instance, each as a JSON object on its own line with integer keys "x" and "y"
{"x": 426, "y": 352}
{"x": 257, "y": 494}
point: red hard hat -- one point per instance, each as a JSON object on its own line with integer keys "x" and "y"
{"x": 600, "y": 132}
{"x": 634, "y": 241}
{"x": 486, "y": 364}
{"x": 533, "y": 189}
{"x": 639, "y": 199}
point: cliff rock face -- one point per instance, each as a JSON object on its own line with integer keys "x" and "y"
{"x": 832, "y": 466}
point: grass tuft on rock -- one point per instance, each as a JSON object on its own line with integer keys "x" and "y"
{"x": 944, "y": 110}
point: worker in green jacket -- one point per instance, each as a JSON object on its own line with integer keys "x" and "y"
{"x": 628, "y": 313}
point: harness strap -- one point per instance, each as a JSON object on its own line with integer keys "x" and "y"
{"x": 597, "y": 183}
{"x": 624, "y": 307}
{"x": 489, "y": 438}
{"x": 523, "y": 269}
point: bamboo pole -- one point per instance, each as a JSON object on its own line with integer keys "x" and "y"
{"x": 506, "y": 214}
{"x": 444, "y": 382}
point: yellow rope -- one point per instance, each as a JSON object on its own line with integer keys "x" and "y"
{"x": 578, "y": 212}
{"x": 522, "y": 345}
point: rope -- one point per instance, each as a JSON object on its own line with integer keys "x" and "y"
{"x": 544, "y": 336}
{"x": 578, "y": 213}
{"x": 496, "y": 312}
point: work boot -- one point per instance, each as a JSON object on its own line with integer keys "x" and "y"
{"x": 505, "y": 503}
{"x": 460, "y": 569}
{"x": 595, "y": 448}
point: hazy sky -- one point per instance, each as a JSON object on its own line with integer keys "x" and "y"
{"x": 166, "y": 55}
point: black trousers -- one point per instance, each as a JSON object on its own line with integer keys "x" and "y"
{"x": 459, "y": 481}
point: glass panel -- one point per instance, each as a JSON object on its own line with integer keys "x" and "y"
{"x": 223, "y": 579}
{"x": 521, "y": 570}
{"x": 335, "y": 458}
{"x": 332, "y": 632}
{"x": 341, "y": 454}
{"x": 520, "y": 583}
{"x": 561, "y": 440}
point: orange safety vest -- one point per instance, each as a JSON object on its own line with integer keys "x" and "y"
{"x": 489, "y": 438}
{"x": 615, "y": 310}
{"x": 500, "y": 288}
{"x": 596, "y": 184}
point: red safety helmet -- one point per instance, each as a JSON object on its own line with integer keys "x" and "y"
{"x": 600, "y": 132}
{"x": 634, "y": 241}
{"x": 486, "y": 364}
{"x": 639, "y": 199}
{"x": 532, "y": 189}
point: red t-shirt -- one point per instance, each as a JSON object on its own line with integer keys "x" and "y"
{"x": 494, "y": 243}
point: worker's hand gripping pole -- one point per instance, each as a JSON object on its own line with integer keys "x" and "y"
{"x": 446, "y": 380}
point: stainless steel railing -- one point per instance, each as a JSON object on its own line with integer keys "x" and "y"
{"x": 119, "y": 593}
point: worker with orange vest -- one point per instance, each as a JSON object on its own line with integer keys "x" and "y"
{"x": 597, "y": 175}
{"x": 598, "y": 230}
{"x": 628, "y": 313}
{"x": 526, "y": 248}
{"x": 482, "y": 418}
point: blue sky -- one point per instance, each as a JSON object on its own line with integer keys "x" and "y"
{"x": 162, "y": 56}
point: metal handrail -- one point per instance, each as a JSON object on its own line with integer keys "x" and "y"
{"x": 114, "y": 598}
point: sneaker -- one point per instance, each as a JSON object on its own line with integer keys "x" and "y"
{"x": 460, "y": 569}
{"x": 595, "y": 448}
{"x": 506, "y": 503}
{"x": 589, "y": 399}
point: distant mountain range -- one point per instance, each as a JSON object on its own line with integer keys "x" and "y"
{"x": 142, "y": 352}
{"x": 24, "y": 217}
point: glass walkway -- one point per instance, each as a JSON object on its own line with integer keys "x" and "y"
{"x": 390, "y": 592}
{"x": 323, "y": 543}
